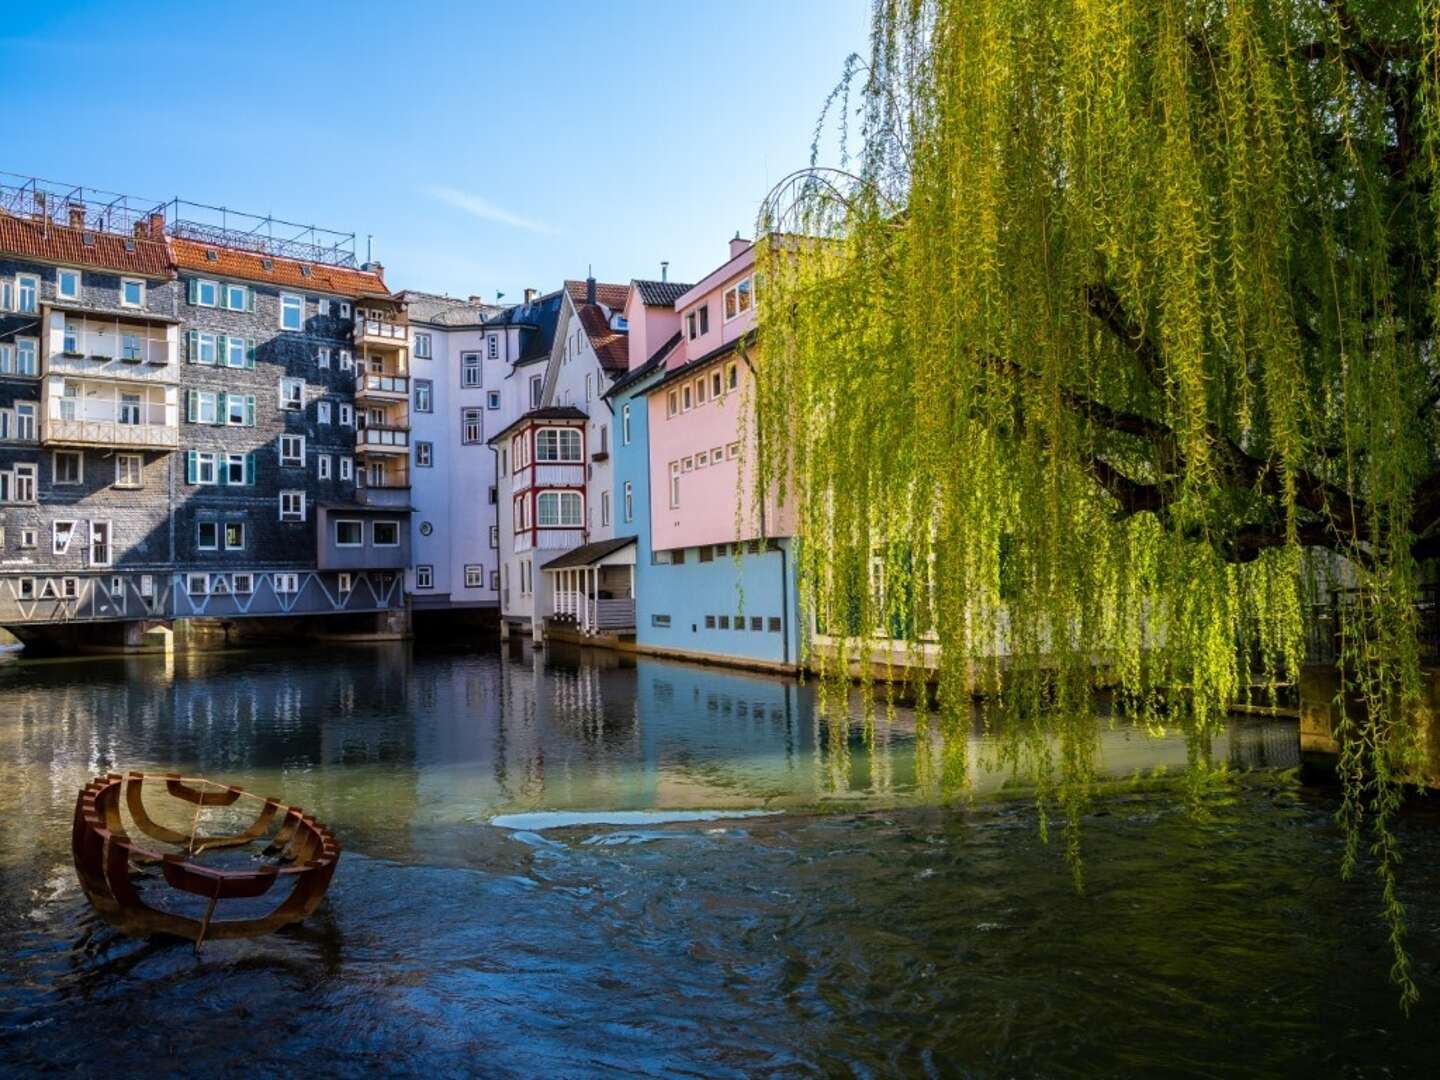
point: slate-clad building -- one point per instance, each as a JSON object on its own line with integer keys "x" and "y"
{"x": 88, "y": 411}
{"x": 179, "y": 412}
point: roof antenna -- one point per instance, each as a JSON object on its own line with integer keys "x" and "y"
{"x": 664, "y": 271}
{"x": 369, "y": 247}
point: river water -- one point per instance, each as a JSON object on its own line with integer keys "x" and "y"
{"x": 484, "y": 922}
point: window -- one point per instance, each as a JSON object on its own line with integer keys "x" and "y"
{"x": 424, "y": 454}
{"x": 717, "y": 384}
{"x": 99, "y": 543}
{"x": 292, "y": 311}
{"x": 494, "y": 536}
{"x": 237, "y": 298}
{"x": 344, "y": 584}
{"x": 71, "y": 343}
{"x": 27, "y": 588}
{"x": 197, "y": 584}
{"x": 702, "y": 391}
{"x": 709, "y": 622}
{"x": 292, "y": 506}
{"x": 61, "y": 533}
{"x": 322, "y": 412}
{"x": 385, "y": 534}
{"x": 349, "y": 533}
{"x": 705, "y": 319}
{"x": 25, "y": 353}
{"x": 724, "y": 622}
{"x": 422, "y": 346}
{"x": 128, "y": 470}
{"x": 322, "y": 307}
{"x": 322, "y": 466}
{"x": 322, "y": 356}
{"x": 689, "y": 464}
{"x": 557, "y": 444}
{"x": 424, "y": 577}
{"x": 674, "y": 484}
{"x": 347, "y": 468}
{"x": 757, "y": 623}
{"x": 200, "y": 467}
{"x": 474, "y": 577}
{"x": 344, "y": 309}
{"x": 686, "y": 398}
{"x": 67, "y": 467}
{"x": 287, "y": 584}
{"x": 492, "y": 343}
{"x": 588, "y": 377}
{"x": 238, "y": 469}
{"x": 672, "y": 403}
{"x": 130, "y": 409}
{"x": 292, "y": 449}
{"x": 732, "y": 451}
{"x": 27, "y": 538}
{"x": 242, "y": 584}
{"x": 470, "y": 426}
{"x": 661, "y": 621}
{"x": 537, "y": 391}
{"x": 625, "y": 425}
{"x": 559, "y": 509}
{"x": 717, "y": 455}
{"x": 737, "y": 299}
{"x": 705, "y": 553}
{"x": 204, "y": 293}
{"x": 470, "y": 369}
{"x": 238, "y": 352}
{"x": 629, "y": 501}
{"x": 204, "y": 348}
{"x": 423, "y": 395}
{"x": 732, "y": 376}
{"x": 492, "y": 399}
{"x": 234, "y": 536}
{"x": 292, "y": 394}
{"x": 692, "y": 326}
{"x": 67, "y": 284}
{"x": 130, "y": 348}
{"x": 132, "y": 292}
{"x": 347, "y": 360}
{"x": 207, "y": 535}
{"x": 347, "y": 415}
{"x": 27, "y": 293}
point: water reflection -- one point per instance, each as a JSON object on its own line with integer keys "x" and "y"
{"x": 905, "y": 940}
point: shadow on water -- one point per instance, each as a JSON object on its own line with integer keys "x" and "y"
{"x": 859, "y": 929}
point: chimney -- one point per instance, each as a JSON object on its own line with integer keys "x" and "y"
{"x": 157, "y": 225}
{"x": 590, "y": 289}
{"x": 475, "y": 299}
{"x": 664, "y": 271}
{"x": 142, "y": 230}
{"x": 77, "y": 215}
{"x": 738, "y": 245}
{"x": 373, "y": 267}
{"x": 530, "y": 295}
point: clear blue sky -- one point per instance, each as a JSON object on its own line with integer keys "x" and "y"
{"x": 486, "y": 146}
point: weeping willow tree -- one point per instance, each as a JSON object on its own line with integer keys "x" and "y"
{"x": 1108, "y": 346}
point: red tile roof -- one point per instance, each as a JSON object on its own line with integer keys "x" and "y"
{"x": 612, "y": 347}
{"x": 612, "y": 296}
{"x": 51, "y": 242}
{"x": 250, "y": 266}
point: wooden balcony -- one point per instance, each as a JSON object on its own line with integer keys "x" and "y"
{"x": 110, "y": 434}
{"x": 382, "y": 440}
{"x": 376, "y": 333}
{"x": 384, "y": 388}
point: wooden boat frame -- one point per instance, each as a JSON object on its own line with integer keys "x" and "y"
{"x": 305, "y": 852}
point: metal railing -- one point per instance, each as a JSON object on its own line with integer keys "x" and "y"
{"x": 385, "y": 384}
{"x": 1325, "y": 622}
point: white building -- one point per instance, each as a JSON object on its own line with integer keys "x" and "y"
{"x": 463, "y": 389}
{"x": 552, "y": 505}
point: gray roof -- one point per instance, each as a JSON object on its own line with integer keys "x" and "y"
{"x": 586, "y": 554}
{"x": 661, "y": 293}
{"x": 447, "y": 310}
{"x": 635, "y": 375}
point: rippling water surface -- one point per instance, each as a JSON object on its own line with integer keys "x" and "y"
{"x": 852, "y": 929}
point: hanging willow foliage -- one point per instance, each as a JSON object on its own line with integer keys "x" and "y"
{"x": 1108, "y": 350}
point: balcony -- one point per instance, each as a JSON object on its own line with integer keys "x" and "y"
{"x": 374, "y": 439}
{"x": 379, "y": 333}
{"x": 113, "y": 415}
{"x": 382, "y": 387}
{"x": 549, "y": 475}
{"x": 114, "y": 347}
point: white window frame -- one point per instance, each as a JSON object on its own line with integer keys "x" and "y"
{"x": 471, "y": 373}
{"x": 242, "y": 584}
{"x": 57, "y": 546}
{"x": 322, "y": 466}
{"x": 424, "y": 576}
{"x": 225, "y": 535}
{"x": 293, "y": 514}
{"x": 200, "y": 544}
{"x": 228, "y": 462}
{"x": 425, "y": 389}
{"x": 469, "y": 417}
{"x": 322, "y": 356}
{"x": 344, "y": 583}
{"x": 289, "y": 402}
{"x": 360, "y": 525}
{"x": 347, "y": 468}
{"x": 322, "y": 412}
{"x": 139, "y": 462}
{"x": 292, "y": 302}
{"x": 61, "y": 272}
{"x": 33, "y": 281}
{"x": 192, "y": 579}
{"x": 287, "y": 584}
{"x": 200, "y": 301}
{"x": 748, "y": 288}
{"x": 347, "y": 415}
{"x": 628, "y": 495}
{"x": 492, "y": 399}
{"x": 422, "y": 346}
{"x": 375, "y": 533}
{"x": 97, "y": 527}
{"x": 474, "y": 576}
{"x": 424, "y": 455}
{"x": 203, "y": 458}
{"x": 292, "y": 451}
{"x": 559, "y": 458}
{"x": 27, "y": 347}
{"x": 561, "y": 498}
{"x": 227, "y": 293}
{"x": 125, "y": 283}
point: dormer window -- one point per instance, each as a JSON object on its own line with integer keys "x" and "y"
{"x": 618, "y": 322}
{"x": 738, "y": 299}
{"x": 267, "y": 264}
{"x": 304, "y": 271}
{"x": 211, "y": 255}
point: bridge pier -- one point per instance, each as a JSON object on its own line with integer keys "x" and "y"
{"x": 79, "y": 638}
{"x": 1320, "y": 722}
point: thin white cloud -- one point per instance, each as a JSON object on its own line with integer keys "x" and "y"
{"x": 482, "y": 208}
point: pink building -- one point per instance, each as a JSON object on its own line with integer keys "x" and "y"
{"x": 695, "y": 417}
